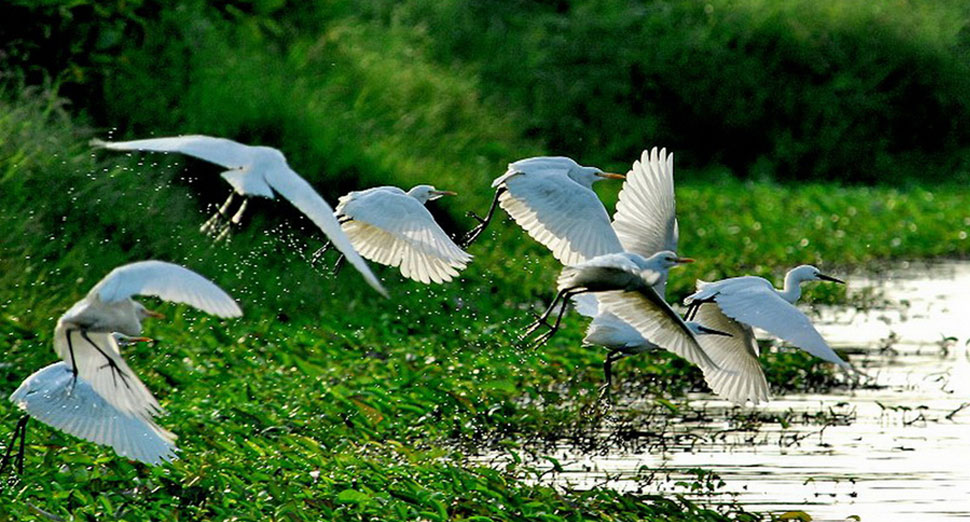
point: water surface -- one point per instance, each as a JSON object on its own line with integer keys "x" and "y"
{"x": 896, "y": 451}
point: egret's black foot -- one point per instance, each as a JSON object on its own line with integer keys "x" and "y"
{"x": 317, "y": 256}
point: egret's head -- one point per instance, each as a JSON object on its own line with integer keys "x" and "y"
{"x": 586, "y": 176}
{"x": 810, "y": 273}
{"x": 426, "y": 193}
{"x": 665, "y": 260}
{"x": 144, "y": 313}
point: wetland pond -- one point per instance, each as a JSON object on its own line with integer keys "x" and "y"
{"x": 897, "y": 448}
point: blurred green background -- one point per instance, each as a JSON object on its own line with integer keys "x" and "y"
{"x": 858, "y": 92}
{"x": 834, "y": 133}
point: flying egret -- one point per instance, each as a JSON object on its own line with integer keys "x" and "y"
{"x": 753, "y": 301}
{"x": 392, "y": 227}
{"x": 82, "y": 335}
{"x": 623, "y": 340}
{"x": 254, "y": 171}
{"x": 646, "y": 222}
{"x": 552, "y": 198}
{"x": 626, "y": 282}
{"x": 52, "y": 396}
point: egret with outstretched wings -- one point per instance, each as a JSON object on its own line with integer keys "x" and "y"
{"x": 254, "y": 171}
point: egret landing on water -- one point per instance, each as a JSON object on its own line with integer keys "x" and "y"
{"x": 254, "y": 171}
{"x": 82, "y": 337}
{"x": 392, "y": 227}
{"x": 553, "y": 200}
{"x": 754, "y": 302}
{"x": 54, "y": 396}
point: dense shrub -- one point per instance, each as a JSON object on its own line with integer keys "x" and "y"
{"x": 864, "y": 92}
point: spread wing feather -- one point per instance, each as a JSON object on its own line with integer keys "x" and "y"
{"x": 760, "y": 306}
{"x": 169, "y": 282}
{"x": 743, "y": 380}
{"x": 395, "y": 229}
{"x": 566, "y": 217}
{"x": 50, "y": 397}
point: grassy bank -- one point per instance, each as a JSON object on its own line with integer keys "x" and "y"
{"x": 325, "y": 401}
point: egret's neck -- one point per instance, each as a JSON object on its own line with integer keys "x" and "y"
{"x": 793, "y": 288}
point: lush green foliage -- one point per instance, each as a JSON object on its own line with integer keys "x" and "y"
{"x": 326, "y": 402}
{"x": 852, "y": 91}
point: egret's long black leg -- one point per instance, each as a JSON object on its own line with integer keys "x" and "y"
{"x": 316, "y": 256}
{"x": 338, "y": 264}
{"x": 543, "y": 338}
{"x": 19, "y": 431}
{"x": 115, "y": 369}
{"x": 692, "y": 309}
{"x": 473, "y": 234}
{"x": 70, "y": 349}
{"x": 319, "y": 253}
{"x": 542, "y": 319}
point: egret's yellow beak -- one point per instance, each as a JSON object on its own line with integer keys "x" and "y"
{"x": 610, "y": 175}
{"x": 156, "y": 315}
{"x": 444, "y": 193}
{"x": 140, "y": 340}
{"x": 682, "y": 260}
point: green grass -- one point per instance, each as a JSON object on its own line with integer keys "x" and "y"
{"x": 325, "y": 401}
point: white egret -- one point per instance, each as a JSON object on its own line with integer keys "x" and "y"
{"x": 254, "y": 171}
{"x": 53, "y": 396}
{"x": 553, "y": 200}
{"x": 741, "y": 378}
{"x": 623, "y": 340}
{"x": 82, "y": 336}
{"x": 753, "y": 301}
{"x": 646, "y": 222}
{"x": 626, "y": 282}
{"x": 392, "y": 227}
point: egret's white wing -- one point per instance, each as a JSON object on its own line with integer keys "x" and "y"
{"x": 646, "y": 218}
{"x": 760, "y": 306}
{"x": 169, "y": 282}
{"x": 563, "y": 215}
{"x": 50, "y": 396}
{"x": 124, "y": 391}
{"x": 221, "y": 151}
{"x": 743, "y": 380}
{"x": 650, "y": 315}
{"x": 587, "y": 304}
{"x": 300, "y": 193}
{"x": 395, "y": 229}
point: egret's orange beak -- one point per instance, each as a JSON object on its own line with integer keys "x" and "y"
{"x": 610, "y": 175}
{"x": 444, "y": 193}
{"x": 156, "y": 315}
{"x": 682, "y": 260}
{"x": 140, "y": 340}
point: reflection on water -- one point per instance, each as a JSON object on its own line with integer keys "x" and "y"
{"x": 897, "y": 452}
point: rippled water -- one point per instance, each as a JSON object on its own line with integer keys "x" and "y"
{"x": 897, "y": 452}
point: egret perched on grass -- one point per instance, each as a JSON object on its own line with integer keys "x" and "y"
{"x": 392, "y": 227}
{"x": 552, "y": 198}
{"x": 254, "y": 171}
{"x": 53, "y": 396}
{"x": 108, "y": 308}
{"x": 753, "y": 301}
